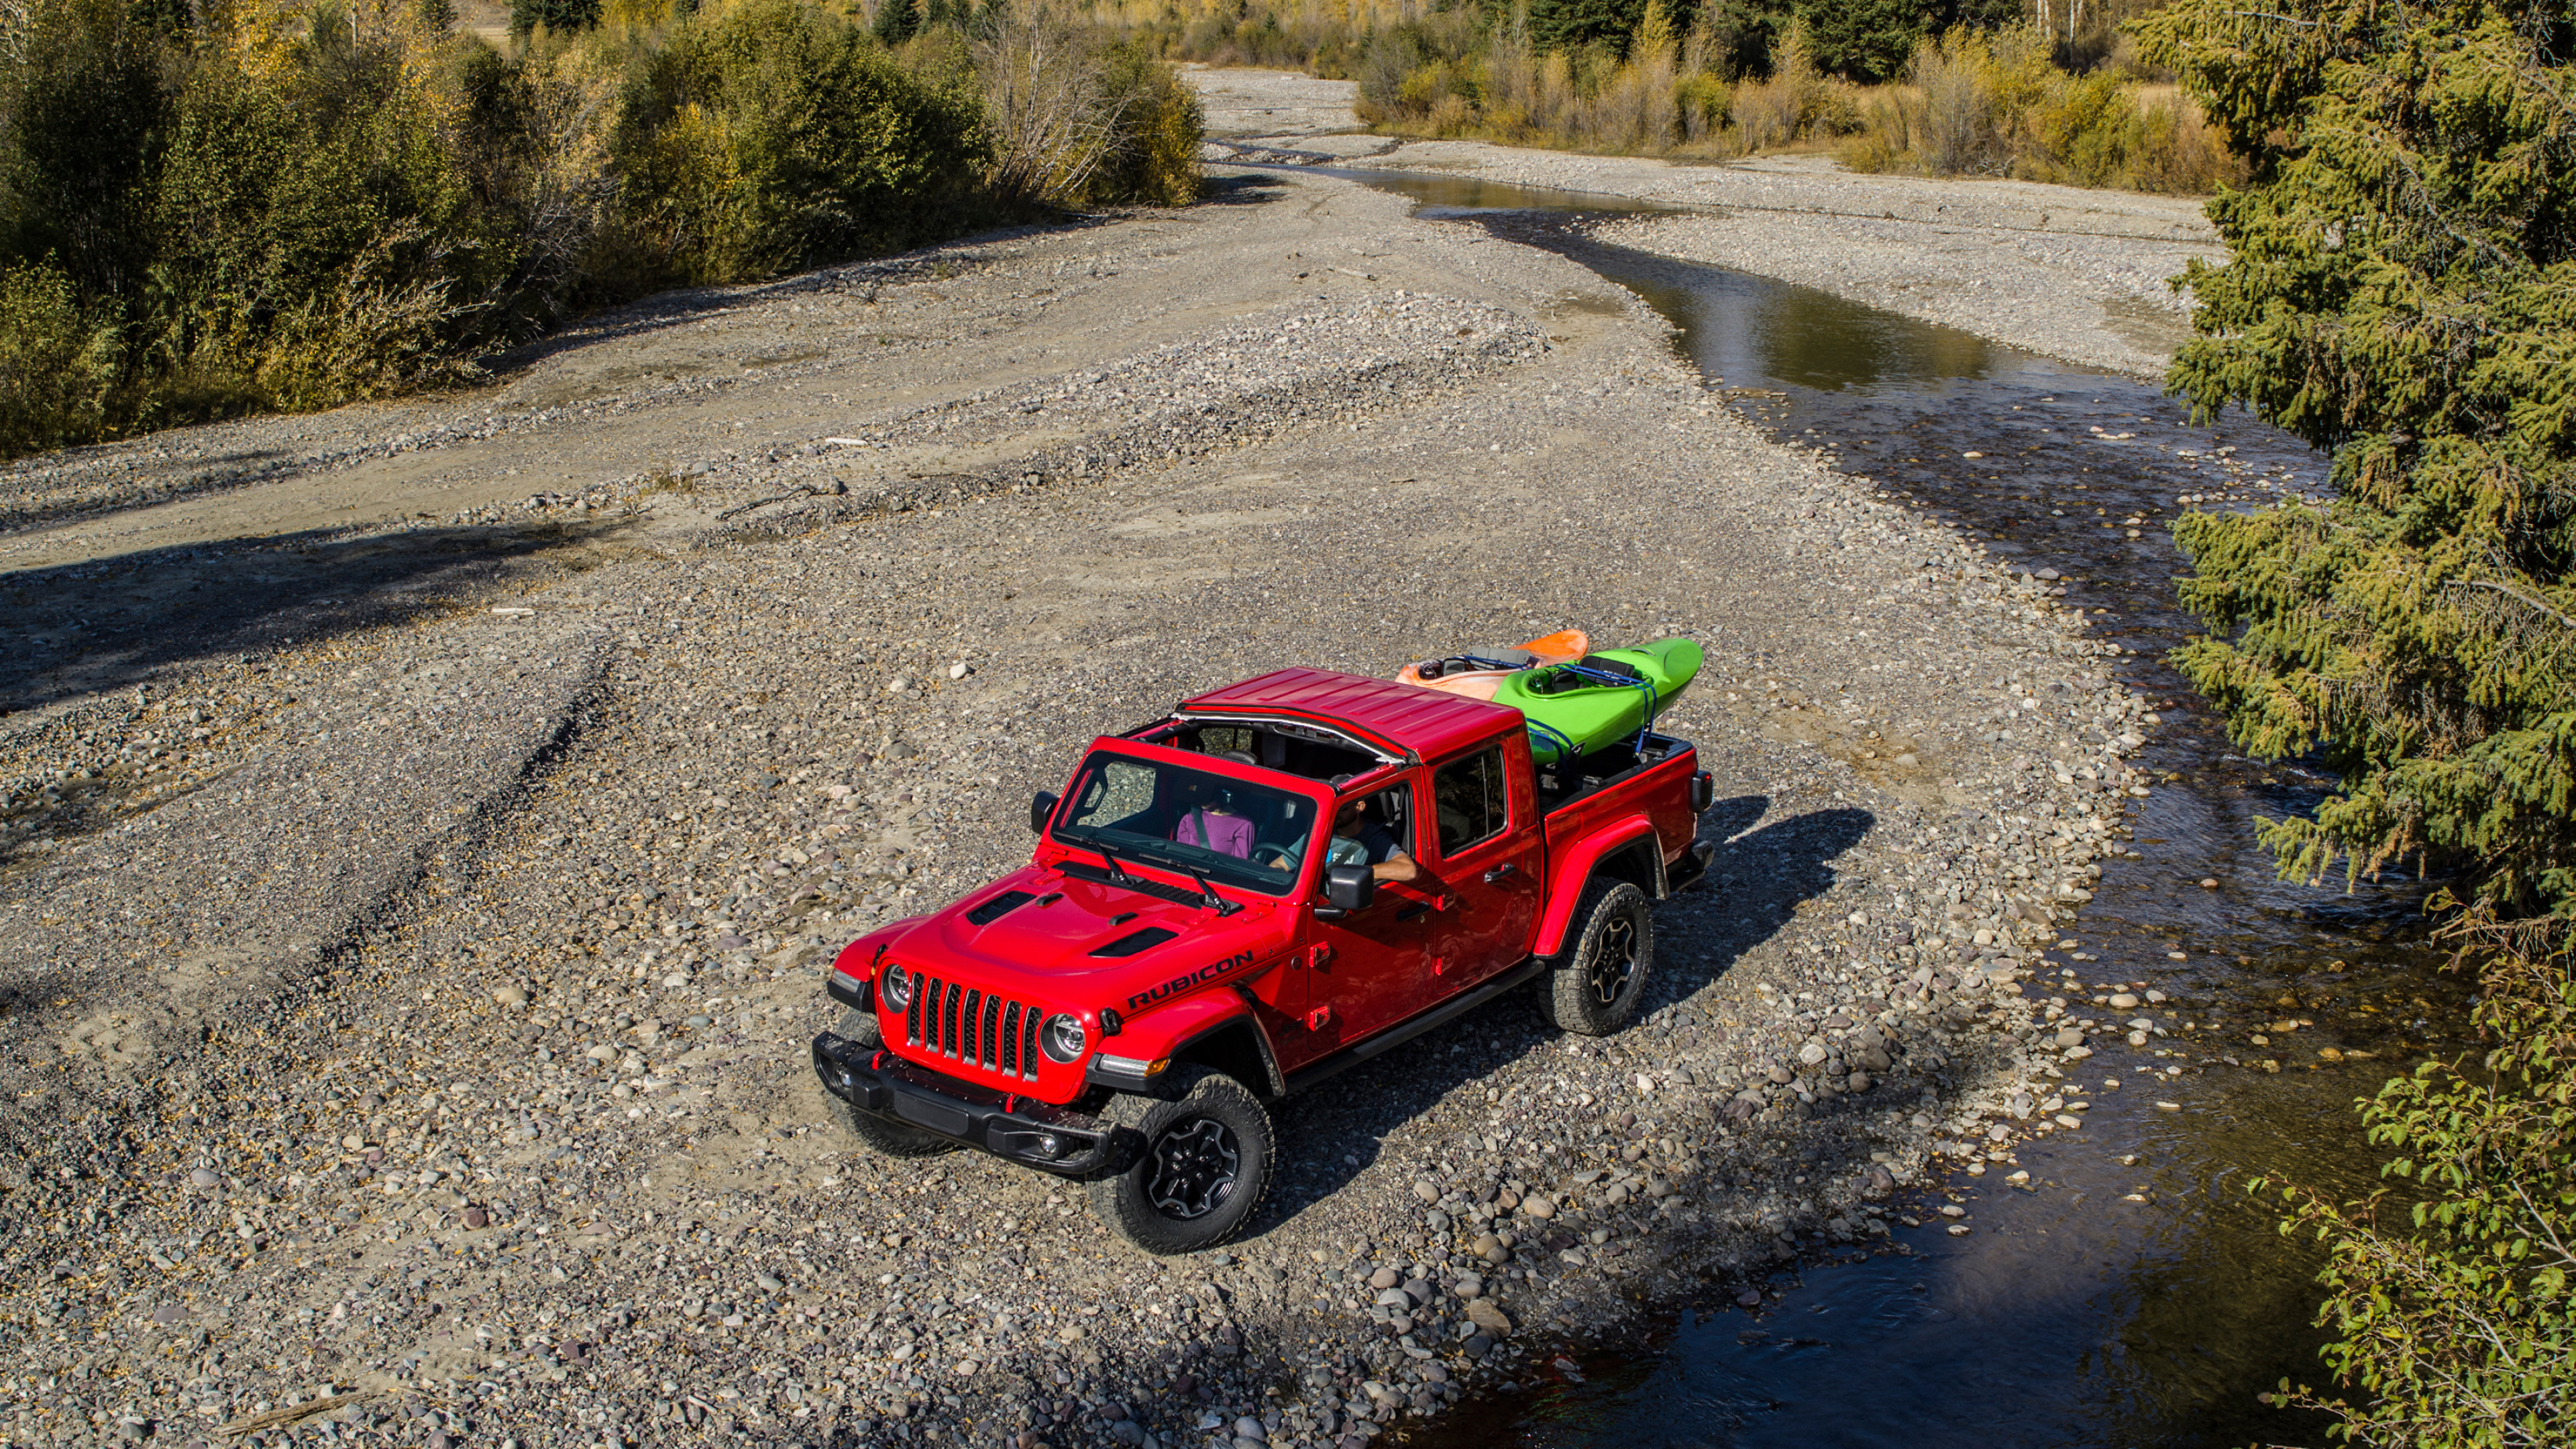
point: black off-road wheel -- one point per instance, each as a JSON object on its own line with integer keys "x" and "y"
{"x": 889, "y": 1139}
{"x": 1600, "y": 976}
{"x": 1202, "y": 1168}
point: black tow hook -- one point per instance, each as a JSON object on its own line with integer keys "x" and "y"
{"x": 838, "y": 1061}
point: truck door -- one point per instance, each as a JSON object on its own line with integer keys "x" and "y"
{"x": 1365, "y": 970}
{"x": 1486, "y": 852}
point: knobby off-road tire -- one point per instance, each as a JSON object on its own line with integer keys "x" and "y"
{"x": 890, "y": 1139}
{"x": 1600, "y": 975}
{"x": 1202, "y": 1171}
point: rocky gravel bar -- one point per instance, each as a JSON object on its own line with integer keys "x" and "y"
{"x": 2071, "y": 273}
{"x": 426, "y": 827}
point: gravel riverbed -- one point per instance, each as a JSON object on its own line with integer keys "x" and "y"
{"x": 2071, "y": 273}
{"x": 421, "y": 855}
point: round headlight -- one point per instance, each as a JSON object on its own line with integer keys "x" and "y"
{"x": 1062, "y": 1039}
{"x": 895, "y": 987}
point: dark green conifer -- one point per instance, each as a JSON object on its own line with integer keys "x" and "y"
{"x": 2400, "y": 291}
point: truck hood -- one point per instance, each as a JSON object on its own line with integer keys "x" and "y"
{"x": 1122, "y": 945}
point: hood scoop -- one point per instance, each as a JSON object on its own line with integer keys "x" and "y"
{"x": 998, "y": 907}
{"x": 1135, "y": 941}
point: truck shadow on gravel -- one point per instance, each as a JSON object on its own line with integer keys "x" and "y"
{"x": 111, "y": 624}
{"x": 1757, "y": 881}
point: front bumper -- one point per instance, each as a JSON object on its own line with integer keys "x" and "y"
{"x": 1020, "y": 1129}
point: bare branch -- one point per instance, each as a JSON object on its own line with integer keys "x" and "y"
{"x": 2519, "y": 597}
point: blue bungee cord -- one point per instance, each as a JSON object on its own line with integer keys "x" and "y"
{"x": 1563, "y": 746}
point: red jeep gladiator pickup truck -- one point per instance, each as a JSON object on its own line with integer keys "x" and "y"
{"x": 1279, "y": 880}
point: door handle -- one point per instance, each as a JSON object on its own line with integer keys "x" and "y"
{"x": 1498, "y": 872}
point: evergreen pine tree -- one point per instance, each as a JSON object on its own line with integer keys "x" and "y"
{"x": 1571, "y": 24}
{"x": 1864, "y": 40}
{"x": 897, "y": 21}
{"x": 555, "y": 15}
{"x": 2402, "y": 291}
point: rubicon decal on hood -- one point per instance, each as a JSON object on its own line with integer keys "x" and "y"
{"x": 1189, "y": 979}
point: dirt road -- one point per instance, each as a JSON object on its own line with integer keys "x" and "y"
{"x": 416, "y": 894}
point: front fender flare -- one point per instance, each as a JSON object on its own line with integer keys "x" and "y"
{"x": 1168, "y": 1032}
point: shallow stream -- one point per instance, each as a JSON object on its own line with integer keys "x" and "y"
{"x": 2131, "y": 1294}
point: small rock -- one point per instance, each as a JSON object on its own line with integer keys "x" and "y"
{"x": 959, "y": 670}
{"x": 510, "y": 996}
{"x": 1250, "y": 1428}
{"x": 203, "y": 1178}
{"x": 1470, "y": 1287}
{"x": 1539, "y": 1207}
{"x": 476, "y": 1217}
{"x": 2124, "y": 1000}
{"x": 769, "y": 1284}
{"x": 1483, "y": 1313}
{"x": 1385, "y": 1278}
{"x": 1749, "y": 1297}
{"x": 1427, "y": 1190}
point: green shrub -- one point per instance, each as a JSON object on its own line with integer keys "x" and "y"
{"x": 2449, "y": 1296}
{"x": 58, "y": 363}
{"x": 766, "y": 135}
{"x": 1154, "y": 160}
{"x": 274, "y": 207}
{"x": 1996, "y": 104}
{"x": 1705, "y": 104}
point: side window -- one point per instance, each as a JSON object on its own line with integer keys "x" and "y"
{"x": 1470, "y": 799}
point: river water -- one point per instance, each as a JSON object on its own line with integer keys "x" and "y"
{"x": 2131, "y": 1293}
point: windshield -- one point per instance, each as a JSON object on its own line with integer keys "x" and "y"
{"x": 1178, "y": 818}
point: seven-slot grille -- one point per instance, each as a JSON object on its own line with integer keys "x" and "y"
{"x": 978, "y": 1028}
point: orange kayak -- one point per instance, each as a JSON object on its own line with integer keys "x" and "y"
{"x": 1478, "y": 673}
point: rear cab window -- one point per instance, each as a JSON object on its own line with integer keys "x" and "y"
{"x": 1470, "y": 800}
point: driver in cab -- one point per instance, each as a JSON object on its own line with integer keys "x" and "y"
{"x": 1357, "y": 839}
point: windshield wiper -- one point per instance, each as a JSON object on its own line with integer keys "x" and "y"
{"x": 1120, "y": 875}
{"x": 1117, "y": 872}
{"x": 1208, "y": 896}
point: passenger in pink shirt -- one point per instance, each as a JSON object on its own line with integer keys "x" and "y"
{"x": 1208, "y": 823}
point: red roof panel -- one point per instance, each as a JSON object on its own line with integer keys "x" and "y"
{"x": 1425, "y": 721}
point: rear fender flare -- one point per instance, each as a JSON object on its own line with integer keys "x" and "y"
{"x": 1586, "y": 859}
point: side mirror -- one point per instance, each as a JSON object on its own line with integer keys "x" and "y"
{"x": 1041, "y": 806}
{"x": 1350, "y": 887}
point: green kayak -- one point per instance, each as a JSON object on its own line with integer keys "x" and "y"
{"x": 1599, "y": 699}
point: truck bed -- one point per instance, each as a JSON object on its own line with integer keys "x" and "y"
{"x": 1601, "y": 789}
{"x": 1570, "y": 781}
